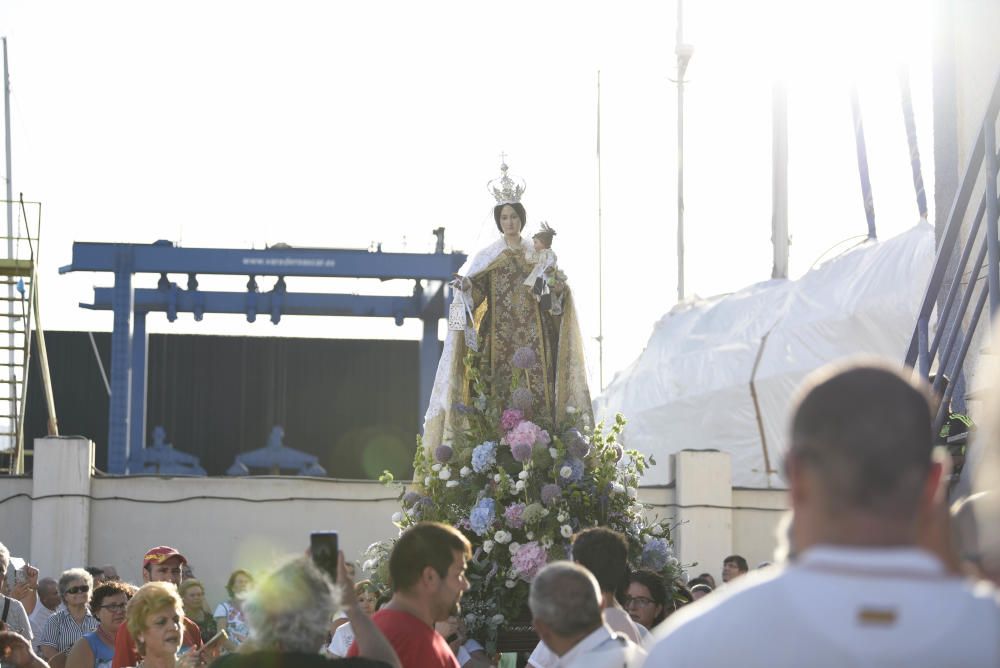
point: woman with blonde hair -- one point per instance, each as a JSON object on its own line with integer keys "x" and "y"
{"x": 153, "y": 618}
{"x": 192, "y": 593}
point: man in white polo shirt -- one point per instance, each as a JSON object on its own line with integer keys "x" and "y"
{"x": 861, "y": 477}
{"x": 566, "y": 605}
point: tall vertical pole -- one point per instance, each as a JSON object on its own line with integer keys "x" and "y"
{"x": 779, "y": 180}
{"x": 862, "y": 150}
{"x": 11, "y": 336}
{"x": 600, "y": 248}
{"x": 683, "y": 52}
{"x": 680, "y": 154}
{"x": 911, "y": 140}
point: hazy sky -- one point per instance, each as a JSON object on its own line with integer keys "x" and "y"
{"x": 238, "y": 124}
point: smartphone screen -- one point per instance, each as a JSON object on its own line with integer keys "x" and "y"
{"x": 324, "y": 547}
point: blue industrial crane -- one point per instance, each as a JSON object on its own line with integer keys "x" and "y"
{"x": 127, "y": 415}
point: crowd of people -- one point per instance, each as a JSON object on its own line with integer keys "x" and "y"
{"x": 869, "y": 574}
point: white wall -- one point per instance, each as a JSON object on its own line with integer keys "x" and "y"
{"x": 15, "y": 514}
{"x": 252, "y": 523}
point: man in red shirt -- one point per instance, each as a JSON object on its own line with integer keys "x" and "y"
{"x": 161, "y": 564}
{"x": 427, "y": 569}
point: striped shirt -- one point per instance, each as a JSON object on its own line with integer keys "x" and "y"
{"x": 61, "y": 630}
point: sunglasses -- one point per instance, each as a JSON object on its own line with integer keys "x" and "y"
{"x": 114, "y": 607}
{"x": 81, "y": 589}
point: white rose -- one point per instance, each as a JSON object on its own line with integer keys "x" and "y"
{"x": 566, "y": 530}
{"x": 397, "y": 517}
{"x": 545, "y": 512}
{"x": 368, "y": 566}
{"x": 488, "y": 546}
{"x": 571, "y": 409}
{"x": 496, "y": 477}
{"x": 502, "y": 537}
{"x": 451, "y": 483}
{"x": 464, "y": 471}
{"x": 553, "y": 452}
{"x": 562, "y": 517}
{"x": 646, "y": 539}
{"x": 546, "y": 542}
{"x": 519, "y": 486}
{"x": 445, "y": 474}
{"x": 511, "y": 584}
{"x": 514, "y": 547}
{"x": 632, "y": 492}
{"x": 657, "y": 530}
{"x": 427, "y": 481}
{"x": 565, "y": 471}
{"x": 673, "y": 561}
{"x": 523, "y": 475}
{"x": 531, "y": 535}
{"x": 617, "y": 488}
{"x": 436, "y": 468}
{"x": 497, "y": 619}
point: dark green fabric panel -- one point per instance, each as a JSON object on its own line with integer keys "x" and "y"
{"x": 351, "y": 403}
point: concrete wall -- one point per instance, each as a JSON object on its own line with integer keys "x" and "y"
{"x": 252, "y": 523}
{"x": 15, "y": 514}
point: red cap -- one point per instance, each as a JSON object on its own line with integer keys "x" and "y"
{"x": 157, "y": 555}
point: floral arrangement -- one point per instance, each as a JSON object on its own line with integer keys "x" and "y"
{"x": 519, "y": 487}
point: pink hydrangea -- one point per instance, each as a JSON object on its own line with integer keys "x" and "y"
{"x": 530, "y": 559}
{"x": 513, "y": 515}
{"x": 511, "y": 418}
{"x": 528, "y": 433}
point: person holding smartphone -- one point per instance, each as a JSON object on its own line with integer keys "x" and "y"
{"x": 289, "y": 617}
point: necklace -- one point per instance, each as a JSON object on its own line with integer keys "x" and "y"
{"x": 105, "y": 636}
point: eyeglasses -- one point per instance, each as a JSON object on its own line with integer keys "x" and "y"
{"x": 80, "y": 589}
{"x": 113, "y": 607}
{"x": 640, "y": 601}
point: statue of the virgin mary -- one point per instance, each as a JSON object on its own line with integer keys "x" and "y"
{"x": 511, "y": 333}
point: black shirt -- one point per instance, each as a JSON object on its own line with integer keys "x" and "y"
{"x": 271, "y": 659}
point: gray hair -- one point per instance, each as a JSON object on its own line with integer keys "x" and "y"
{"x": 75, "y": 574}
{"x": 566, "y": 598}
{"x": 291, "y": 608}
{"x": 4, "y": 556}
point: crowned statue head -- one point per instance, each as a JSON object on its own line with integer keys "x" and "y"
{"x": 509, "y": 212}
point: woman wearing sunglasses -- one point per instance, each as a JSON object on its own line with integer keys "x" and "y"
{"x": 67, "y": 626}
{"x": 97, "y": 648}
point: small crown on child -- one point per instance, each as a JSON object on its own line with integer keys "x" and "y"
{"x": 545, "y": 231}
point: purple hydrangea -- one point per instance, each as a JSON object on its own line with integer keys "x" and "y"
{"x": 484, "y": 456}
{"x": 550, "y": 493}
{"x": 522, "y": 399}
{"x": 410, "y": 499}
{"x": 524, "y": 358}
{"x": 482, "y": 515}
{"x": 513, "y": 515}
{"x": 443, "y": 453}
{"x": 576, "y": 443}
{"x": 655, "y": 554}
{"x": 521, "y": 451}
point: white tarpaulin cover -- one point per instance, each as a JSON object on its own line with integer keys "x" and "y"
{"x": 691, "y": 387}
